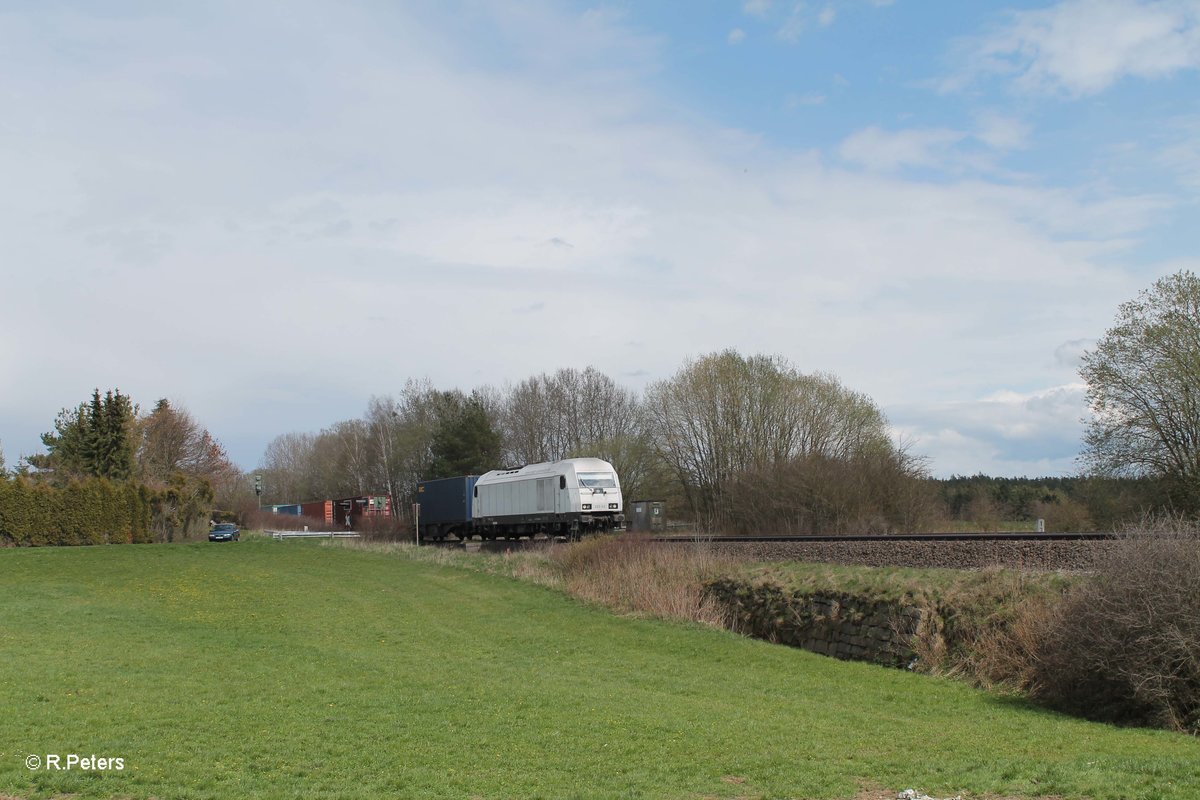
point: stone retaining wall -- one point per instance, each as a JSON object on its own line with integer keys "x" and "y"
{"x": 840, "y": 625}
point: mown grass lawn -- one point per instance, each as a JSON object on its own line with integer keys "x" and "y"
{"x": 264, "y": 669}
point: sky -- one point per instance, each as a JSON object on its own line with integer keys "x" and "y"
{"x": 269, "y": 212}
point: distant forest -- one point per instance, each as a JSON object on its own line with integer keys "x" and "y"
{"x": 1066, "y": 504}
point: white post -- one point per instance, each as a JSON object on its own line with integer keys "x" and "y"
{"x": 417, "y": 521}
{"x": 1041, "y": 526}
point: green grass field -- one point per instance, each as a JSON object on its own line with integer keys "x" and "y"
{"x": 264, "y": 669}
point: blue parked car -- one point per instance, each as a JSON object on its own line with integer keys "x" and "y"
{"x": 224, "y": 532}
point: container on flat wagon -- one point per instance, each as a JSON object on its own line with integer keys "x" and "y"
{"x": 318, "y": 509}
{"x": 446, "y": 500}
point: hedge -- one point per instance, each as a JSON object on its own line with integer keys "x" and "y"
{"x": 91, "y": 511}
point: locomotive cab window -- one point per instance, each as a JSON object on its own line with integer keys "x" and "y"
{"x": 562, "y": 481}
{"x": 597, "y": 480}
{"x": 477, "y": 491}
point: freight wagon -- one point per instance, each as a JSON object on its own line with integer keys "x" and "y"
{"x": 346, "y": 512}
{"x": 446, "y": 507}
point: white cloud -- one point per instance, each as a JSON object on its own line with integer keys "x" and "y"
{"x": 1031, "y": 433}
{"x": 382, "y": 220}
{"x": 793, "y": 26}
{"x": 736, "y": 36}
{"x": 794, "y": 19}
{"x": 1182, "y": 154}
{"x": 878, "y": 149}
{"x": 1070, "y": 354}
{"x": 1002, "y": 132}
{"x": 757, "y": 8}
{"x": 1082, "y": 47}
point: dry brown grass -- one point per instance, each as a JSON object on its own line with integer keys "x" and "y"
{"x": 992, "y": 634}
{"x": 1003, "y": 652}
{"x": 634, "y": 575}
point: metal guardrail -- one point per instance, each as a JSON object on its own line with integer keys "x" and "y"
{"x": 312, "y": 535}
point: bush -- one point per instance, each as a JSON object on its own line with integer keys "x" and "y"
{"x": 384, "y": 529}
{"x": 181, "y": 509}
{"x": 1124, "y": 646}
{"x": 91, "y": 511}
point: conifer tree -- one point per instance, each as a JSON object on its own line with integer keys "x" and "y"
{"x": 464, "y": 440}
{"x": 95, "y": 439}
{"x": 115, "y": 454}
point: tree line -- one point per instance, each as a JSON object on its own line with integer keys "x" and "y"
{"x": 692, "y": 439}
{"x": 737, "y": 442}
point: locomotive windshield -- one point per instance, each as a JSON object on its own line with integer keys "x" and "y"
{"x": 597, "y": 480}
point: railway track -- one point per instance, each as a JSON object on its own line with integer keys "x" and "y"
{"x": 1025, "y": 536}
{"x": 500, "y": 545}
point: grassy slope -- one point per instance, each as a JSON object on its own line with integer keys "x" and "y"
{"x": 288, "y": 669}
{"x": 908, "y": 583}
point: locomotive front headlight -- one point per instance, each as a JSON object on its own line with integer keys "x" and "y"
{"x": 612, "y": 505}
{"x": 587, "y": 506}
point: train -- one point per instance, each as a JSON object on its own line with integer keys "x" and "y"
{"x": 567, "y": 498}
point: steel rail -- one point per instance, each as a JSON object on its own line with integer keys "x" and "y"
{"x": 1025, "y": 536}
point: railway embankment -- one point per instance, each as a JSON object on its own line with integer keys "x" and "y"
{"x": 959, "y": 553}
{"x": 935, "y": 620}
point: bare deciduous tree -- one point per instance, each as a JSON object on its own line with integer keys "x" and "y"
{"x": 172, "y": 441}
{"x": 287, "y": 468}
{"x": 346, "y": 457}
{"x": 726, "y": 415}
{"x": 1143, "y": 382}
{"x": 548, "y": 417}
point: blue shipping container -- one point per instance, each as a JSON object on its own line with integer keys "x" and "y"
{"x": 447, "y": 500}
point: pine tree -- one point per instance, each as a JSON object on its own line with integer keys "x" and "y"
{"x": 92, "y": 439}
{"x": 464, "y": 440}
{"x": 95, "y": 439}
{"x": 117, "y": 426}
